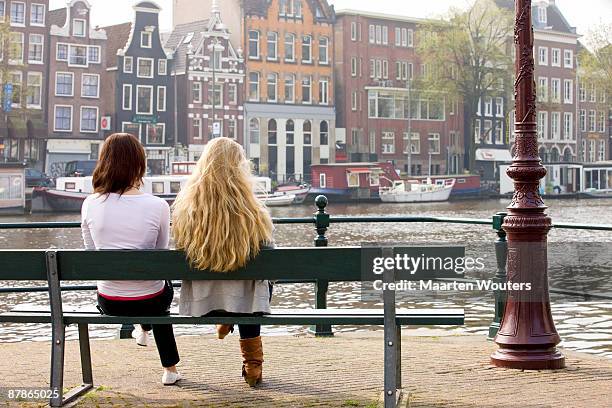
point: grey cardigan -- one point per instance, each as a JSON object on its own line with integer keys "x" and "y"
{"x": 199, "y": 298}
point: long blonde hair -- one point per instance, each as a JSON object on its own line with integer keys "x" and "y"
{"x": 217, "y": 220}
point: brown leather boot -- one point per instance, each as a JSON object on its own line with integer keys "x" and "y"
{"x": 252, "y": 360}
{"x": 224, "y": 329}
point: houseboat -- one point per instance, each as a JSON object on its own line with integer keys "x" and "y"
{"x": 465, "y": 186}
{"x": 342, "y": 182}
{"x": 597, "y": 180}
{"x": 12, "y": 189}
{"x": 412, "y": 191}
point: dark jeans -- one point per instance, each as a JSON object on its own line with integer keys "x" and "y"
{"x": 247, "y": 331}
{"x": 157, "y": 306}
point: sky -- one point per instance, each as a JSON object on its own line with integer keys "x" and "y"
{"x": 583, "y": 14}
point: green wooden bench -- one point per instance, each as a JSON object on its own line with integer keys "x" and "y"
{"x": 297, "y": 264}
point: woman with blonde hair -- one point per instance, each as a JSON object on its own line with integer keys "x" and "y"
{"x": 220, "y": 225}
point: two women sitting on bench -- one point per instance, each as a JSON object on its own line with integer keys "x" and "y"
{"x": 218, "y": 223}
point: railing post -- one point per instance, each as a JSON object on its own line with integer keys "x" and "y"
{"x": 501, "y": 255}
{"x": 321, "y": 286}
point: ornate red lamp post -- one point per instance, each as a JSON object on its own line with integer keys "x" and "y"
{"x": 527, "y": 337}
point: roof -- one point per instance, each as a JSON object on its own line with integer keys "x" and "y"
{"x": 181, "y": 37}
{"x": 118, "y": 36}
{"x": 148, "y": 4}
{"x": 380, "y": 16}
{"x": 555, "y": 19}
{"x": 260, "y": 8}
{"x": 57, "y": 17}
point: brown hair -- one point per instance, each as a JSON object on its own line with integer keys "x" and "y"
{"x": 122, "y": 165}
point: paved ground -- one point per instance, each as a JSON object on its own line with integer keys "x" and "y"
{"x": 345, "y": 371}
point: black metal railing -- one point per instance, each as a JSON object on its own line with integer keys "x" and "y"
{"x": 322, "y": 221}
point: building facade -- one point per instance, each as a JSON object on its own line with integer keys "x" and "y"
{"x": 23, "y": 122}
{"x": 380, "y": 112}
{"x": 141, "y": 90}
{"x": 209, "y": 74}
{"x": 76, "y": 72}
{"x": 592, "y": 123}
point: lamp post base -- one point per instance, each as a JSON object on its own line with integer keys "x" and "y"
{"x": 529, "y": 359}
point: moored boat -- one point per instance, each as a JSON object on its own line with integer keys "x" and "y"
{"x": 412, "y": 191}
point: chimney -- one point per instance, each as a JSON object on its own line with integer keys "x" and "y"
{"x": 216, "y": 10}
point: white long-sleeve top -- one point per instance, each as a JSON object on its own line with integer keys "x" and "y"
{"x": 126, "y": 222}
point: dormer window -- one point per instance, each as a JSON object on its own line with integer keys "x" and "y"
{"x": 79, "y": 27}
{"x": 542, "y": 17}
{"x": 145, "y": 39}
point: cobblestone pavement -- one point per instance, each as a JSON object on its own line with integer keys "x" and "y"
{"x": 345, "y": 371}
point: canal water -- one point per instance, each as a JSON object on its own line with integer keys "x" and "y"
{"x": 584, "y": 324}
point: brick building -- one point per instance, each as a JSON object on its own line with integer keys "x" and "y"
{"x": 204, "y": 55}
{"x": 23, "y": 122}
{"x": 140, "y": 91}
{"x": 76, "y": 72}
{"x": 383, "y": 117}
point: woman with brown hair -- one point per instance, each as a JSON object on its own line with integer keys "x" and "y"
{"x": 221, "y": 225}
{"x": 119, "y": 216}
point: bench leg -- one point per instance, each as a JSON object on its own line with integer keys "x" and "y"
{"x": 398, "y": 357}
{"x": 57, "y": 365}
{"x": 85, "y": 354}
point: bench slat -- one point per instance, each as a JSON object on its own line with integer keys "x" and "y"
{"x": 23, "y": 265}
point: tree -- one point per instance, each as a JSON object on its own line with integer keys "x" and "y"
{"x": 467, "y": 54}
{"x": 596, "y": 63}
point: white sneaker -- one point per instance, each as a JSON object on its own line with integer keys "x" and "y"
{"x": 170, "y": 378}
{"x": 142, "y": 337}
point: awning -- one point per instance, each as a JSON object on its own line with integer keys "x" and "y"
{"x": 359, "y": 170}
{"x": 493, "y": 155}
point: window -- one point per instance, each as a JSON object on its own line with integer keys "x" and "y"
{"x": 415, "y": 143}
{"x": 477, "y": 132}
{"x": 232, "y": 94}
{"x": 385, "y": 69}
{"x": 324, "y": 133}
{"x": 542, "y": 124}
{"x": 385, "y": 35}
{"x": 254, "y": 130}
{"x": 601, "y": 123}
{"x": 16, "y": 48}
{"x": 398, "y": 36}
{"x": 254, "y": 86}
{"x": 128, "y": 65}
{"x": 161, "y": 98}
{"x": 323, "y": 50}
{"x": 146, "y": 39}
{"x": 93, "y": 56}
{"x": 16, "y": 81}
{"x": 2, "y": 9}
{"x": 61, "y": 52}
{"x": 272, "y": 132}
{"x": 64, "y": 84}
{"x": 593, "y": 94}
{"x": 388, "y": 142}
{"x": 307, "y": 89}
{"x": 322, "y": 180}
{"x": 397, "y": 105}
{"x": 127, "y": 97}
{"x": 35, "y": 50}
{"x": 89, "y": 119}
{"x": 78, "y": 56}
{"x": 196, "y": 125}
{"x": 79, "y": 27}
{"x": 583, "y": 119}
{"x": 307, "y": 132}
{"x": 156, "y": 133}
{"x": 353, "y": 31}
{"x": 434, "y": 143}
{"x": 63, "y": 119}
{"x": 231, "y": 128}
{"x": 488, "y": 126}
{"x": 162, "y": 67}
{"x": 568, "y": 58}
{"x": 488, "y": 107}
{"x": 254, "y": 44}
{"x": 543, "y": 89}
{"x": 592, "y": 123}
{"x": 289, "y": 88}
{"x": 353, "y": 66}
{"x": 568, "y": 91}
{"x": 90, "y": 86}
{"x": 542, "y": 14}
{"x": 378, "y": 34}
{"x": 272, "y": 87}
{"x": 499, "y": 127}
{"x": 17, "y": 13}
{"x": 196, "y": 92}
{"x": 145, "y": 68}
{"x": 324, "y": 91}
{"x": 555, "y": 125}
{"x": 555, "y": 57}
{"x": 602, "y": 150}
{"x": 543, "y": 55}
{"x": 131, "y": 128}
{"x": 307, "y": 49}
{"x": 34, "y": 94}
{"x": 555, "y": 90}
{"x": 582, "y": 92}
{"x": 354, "y": 100}
{"x": 289, "y": 47}
{"x": 290, "y": 132}
{"x": 272, "y": 46}
{"x": 407, "y": 38}
{"x": 568, "y": 130}
{"x": 499, "y": 107}
{"x": 37, "y": 14}
{"x": 372, "y": 34}
{"x": 218, "y": 95}
{"x": 144, "y": 100}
